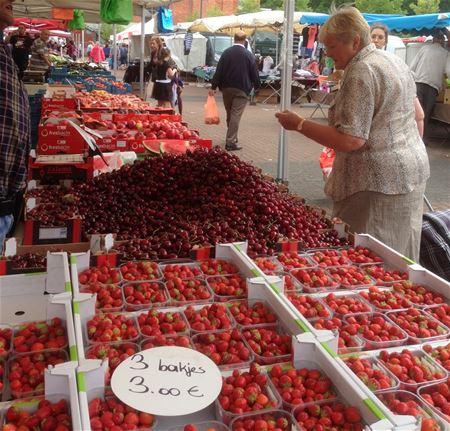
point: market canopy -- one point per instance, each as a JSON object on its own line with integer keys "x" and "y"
{"x": 212, "y": 24}
{"x": 135, "y": 30}
{"x": 393, "y": 22}
{"x": 39, "y": 24}
{"x": 91, "y": 8}
{"x": 270, "y": 20}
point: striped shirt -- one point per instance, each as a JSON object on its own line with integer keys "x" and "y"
{"x": 38, "y": 51}
{"x": 14, "y": 127}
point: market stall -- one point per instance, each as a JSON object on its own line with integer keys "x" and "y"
{"x": 188, "y": 291}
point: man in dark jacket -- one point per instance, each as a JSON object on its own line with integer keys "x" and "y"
{"x": 20, "y": 43}
{"x": 235, "y": 76}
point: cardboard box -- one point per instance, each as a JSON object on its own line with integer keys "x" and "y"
{"x": 51, "y": 173}
{"x": 109, "y": 144}
{"x": 447, "y": 96}
{"x": 60, "y": 139}
{"x": 57, "y": 103}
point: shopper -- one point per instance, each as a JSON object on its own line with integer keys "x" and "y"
{"x": 71, "y": 49}
{"x": 163, "y": 71}
{"x": 39, "y": 53}
{"x": 14, "y": 130}
{"x": 20, "y": 42}
{"x": 123, "y": 56}
{"x": 379, "y": 34}
{"x": 107, "y": 50}
{"x": 381, "y": 166}
{"x": 428, "y": 67}
{"x": 236, "y": 75}
{"x": 97, "y": 54}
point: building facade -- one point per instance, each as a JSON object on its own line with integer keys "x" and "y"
{"x": 185, "y": 10}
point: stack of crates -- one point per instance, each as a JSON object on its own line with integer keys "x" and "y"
{"x": 35, "y": 115}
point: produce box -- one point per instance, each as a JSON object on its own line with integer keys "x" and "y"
{"x": 109, "y": 144}
{"x": 51, "y": 173}
{"x": 57, "y": 103}
{"x": 54, "y": 279}
{"x": 60, "y": 231}
{"x": 60, "y": 139}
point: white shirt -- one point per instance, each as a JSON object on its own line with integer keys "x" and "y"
{"x": 267, "y": 64}
{"x": 430, "y": 64}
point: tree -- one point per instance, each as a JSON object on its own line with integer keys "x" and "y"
{"x": 248, "y": 6}
{"x": 324, "y": 6}
{"x": 300, "y": 5}
{"x": 193, "y": 16}
{"x": 380, "y": 6}
{"x": 425, "y": 6}
{"x": 106, "y": 30}
{"x": 215, "y": 11}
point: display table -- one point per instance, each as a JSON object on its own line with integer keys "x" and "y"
{"x": 305, "y": 86}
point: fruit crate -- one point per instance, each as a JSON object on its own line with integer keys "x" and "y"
{"x": 284, "y": 420}
{"x": 31, "y": 366}
{"x": 426, "y": 362}
{"x": 433, "y": 395}
{"x": 385, "y": 323}
{"x": 423, "y": 322}
{"x": 227, "y": 287}
{"x": 372, "y": 372}
{"x": 385, "y": 274}
{"x": 243, "y": 310}
{"x": 283, "y": 376}
{"x": 174, "y": 322}
{"x": 203, "y": 426}
{"x": 403, "y": 402}
{"x": 197, "y": 314}
{"x": 272, "y": 399}
{"x": 60, "y": 385}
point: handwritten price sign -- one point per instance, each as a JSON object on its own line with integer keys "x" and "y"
{"x": 167, "y": 381}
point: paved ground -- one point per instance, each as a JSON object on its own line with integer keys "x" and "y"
{"x": 259, "y": 135}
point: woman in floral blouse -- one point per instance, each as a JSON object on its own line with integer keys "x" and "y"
{"x": 381, "y": 167}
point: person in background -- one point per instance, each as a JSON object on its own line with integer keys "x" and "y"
{"x": 71, "y": 49}
{"x": 163, "y": 71}
{"x": 379, "y": 34}
{"x": 236, "y": 76}
{"x": 14, "y": 132}
{"x": 123, "y": 55}
{"x": 40, "y": 53}
{"x": 428, "y": 67}
{"x": 20, "y": 42}
{"x": 107, "y": 50}
{"x": 89, "y": 49}
{"x": 381, "y": 167}
{"x": 97, "y": 55}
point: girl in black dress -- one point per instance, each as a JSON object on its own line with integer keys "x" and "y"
{"x": 163, "y": 70}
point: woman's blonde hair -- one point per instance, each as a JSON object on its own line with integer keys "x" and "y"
{"x": 344, "y": 24}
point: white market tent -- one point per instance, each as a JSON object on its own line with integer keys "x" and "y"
{"x": 270, "y": 20}
{"x": 135, "y": 30}
{"x": 175, "y": 42}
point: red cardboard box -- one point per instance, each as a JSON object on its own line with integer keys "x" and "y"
{"x": 52, "y": 173}
{"x": 108, "y": 144}
{"x": 59, "y": 139}
{"x": 37, "y": 233}
{"x": 129, "y": 117}
{"x": 57, "y": 103}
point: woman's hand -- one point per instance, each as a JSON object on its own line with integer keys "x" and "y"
{"x": 288, "y": 119}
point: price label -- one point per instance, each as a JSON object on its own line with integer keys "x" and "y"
{"x": 167, "y": 381}
{"x": 53, "y": 233}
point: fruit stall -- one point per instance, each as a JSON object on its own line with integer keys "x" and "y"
{"x": 187, "y": 291}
